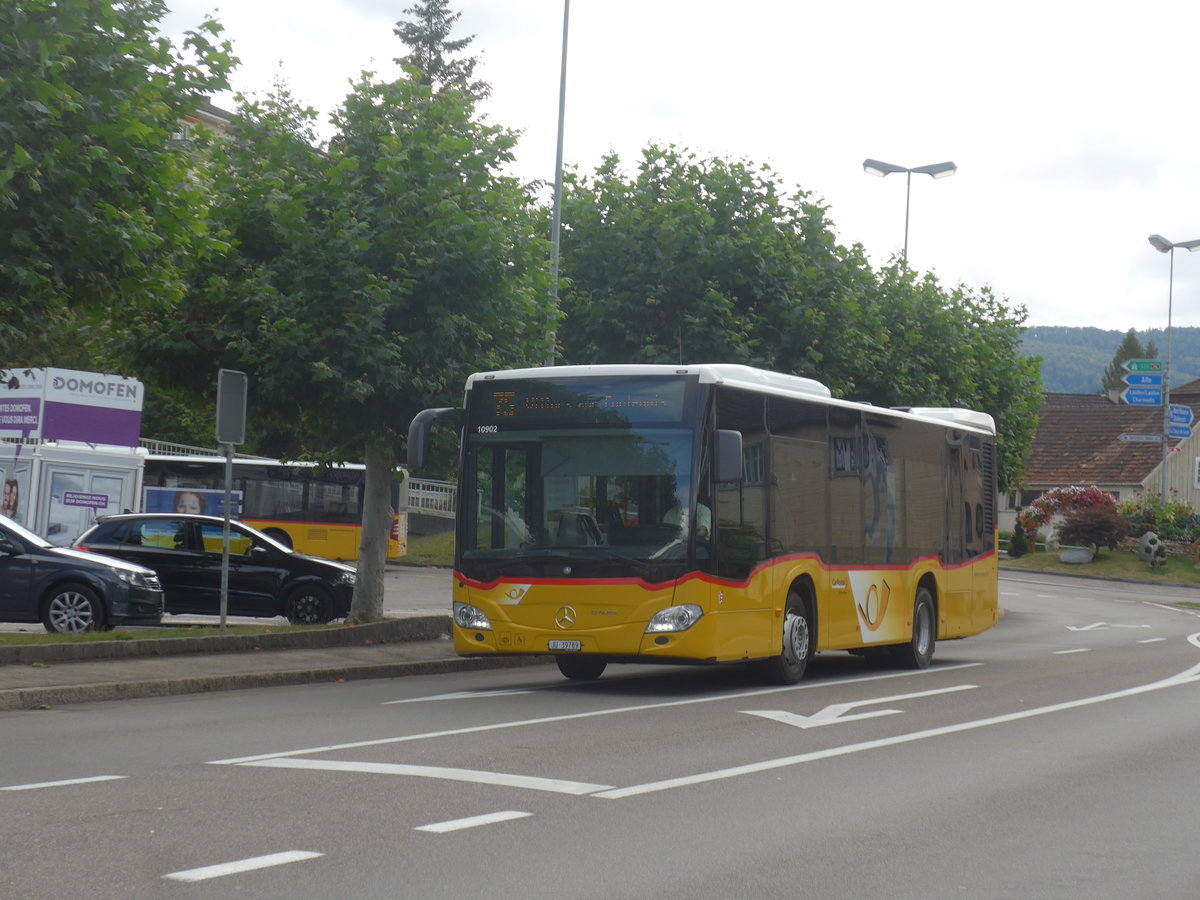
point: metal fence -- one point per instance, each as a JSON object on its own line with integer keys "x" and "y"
{"x": 434, "y": 498}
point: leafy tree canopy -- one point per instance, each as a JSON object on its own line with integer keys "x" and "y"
{"x": 693, "y": 259}
{"x": 96, "y": 207}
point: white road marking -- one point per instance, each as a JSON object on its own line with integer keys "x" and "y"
{"x": 1188, "y": 676}
{"x": 1098, "y": 625}
{"x": 458, "y": 695}
{"x": 49, "y": 784}
{"x": 472, "y": 822}
{"x": 1076, "y": 650}
{"x": 474, "y": 776}
{"x": 242, "y": 865}
{"x": 836, "y": 712}
{"x": 612, "y": 711}
{"x": 1151, "y": 640}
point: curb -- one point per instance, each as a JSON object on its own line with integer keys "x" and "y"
{"x": 47, "y": 697}
{"x": 416, "y": 628}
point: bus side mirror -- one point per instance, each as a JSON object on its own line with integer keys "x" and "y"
{"x": 729, "y": 455}
{"x": 418, "y": 432}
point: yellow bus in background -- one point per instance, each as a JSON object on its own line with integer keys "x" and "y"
{"x": 314, "y": 509}
{"x": 713, "y": 514}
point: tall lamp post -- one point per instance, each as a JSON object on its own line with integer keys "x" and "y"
{"x": 1162, "y": 245}
{"x": 556, "y": 217}
{"x": 883, "y": 169}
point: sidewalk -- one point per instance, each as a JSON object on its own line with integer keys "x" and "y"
{"x": 414, "y": 640}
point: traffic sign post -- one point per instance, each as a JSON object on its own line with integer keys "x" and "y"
{"x": 1143, "y": 379}
{"x": 1178, "y": 414}
{"x": 1142, "y": 396}
{"x": 1143, "y": 365}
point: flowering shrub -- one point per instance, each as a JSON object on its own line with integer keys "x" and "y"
{"x": 1062, "y": 499}
{"x": 1095, "y": 526}
{"x": 1171, "y": 519}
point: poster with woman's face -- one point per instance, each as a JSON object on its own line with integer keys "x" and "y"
{"x": 12, "y": 492}
{"x": 190, "y": 501}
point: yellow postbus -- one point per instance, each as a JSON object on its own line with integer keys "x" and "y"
{"x": 314, "y": 509}
{"x": 713, "y": 514}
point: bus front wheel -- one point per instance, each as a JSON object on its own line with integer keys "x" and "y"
{"x": 918, "y": 652}
{"x": 581, "y": 668}
{"x": 788, "y": 667}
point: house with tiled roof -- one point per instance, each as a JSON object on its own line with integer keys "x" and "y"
{"x": 1092, "y": 439}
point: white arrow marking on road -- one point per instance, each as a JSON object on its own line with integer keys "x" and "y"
{"x": 836, "y": 713}
{"x": 1097, "y": 625}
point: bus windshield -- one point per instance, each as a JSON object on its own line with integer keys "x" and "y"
{"x": 601, "y": 502}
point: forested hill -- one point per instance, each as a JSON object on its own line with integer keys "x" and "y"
{"x": 1074, "y": 359}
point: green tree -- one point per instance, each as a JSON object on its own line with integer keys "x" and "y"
{"x": 365, "y": 281}
{"x": 97, "y": 210}
{"x": 710, "y": 260}
{"x": 1113, "y": 378}
{"x": 686, "y": 260}
{"x": 427, "y": 34}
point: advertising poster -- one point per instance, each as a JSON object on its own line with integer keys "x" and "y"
{"x": 191, "y": 501}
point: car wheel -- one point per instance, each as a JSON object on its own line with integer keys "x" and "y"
{"x": 309, "y": 604}
{"x": 73, "y": 609}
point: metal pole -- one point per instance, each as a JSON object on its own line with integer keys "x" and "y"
{"x": 556, "y": 224}
{"x": 907, "y": 197}
{"x": 225, "y": 534}
{"x": 1167, "y": 381}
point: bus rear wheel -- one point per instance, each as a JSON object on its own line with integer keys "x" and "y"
{"x": 788, "y": 667}
{"x": 918, "y": 652}
{"x": 581, "y": 668}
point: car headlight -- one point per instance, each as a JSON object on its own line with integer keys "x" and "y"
{"x": 675, "y": 618}
{"x": 345, "y": 578}
{"x": 133, "y": 578}
{"x": 468, "y": 616}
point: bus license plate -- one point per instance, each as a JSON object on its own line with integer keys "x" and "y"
{"x": 566, "y": 645}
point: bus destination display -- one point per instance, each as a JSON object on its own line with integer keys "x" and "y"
{"x": 521, "y": 403}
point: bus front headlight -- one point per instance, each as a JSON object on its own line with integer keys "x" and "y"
{"x": 472, "y": 617}
{"x": 675, "y": 618}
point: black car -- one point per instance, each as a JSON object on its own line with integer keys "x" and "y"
{"x": 69, "y": 591}
{"x": 265, "y": 577}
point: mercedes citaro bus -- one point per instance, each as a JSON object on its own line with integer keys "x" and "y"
{"x": 713, "y": 514}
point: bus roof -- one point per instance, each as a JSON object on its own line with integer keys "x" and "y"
{"x": 749, "y": 377}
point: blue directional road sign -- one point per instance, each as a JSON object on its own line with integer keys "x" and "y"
{"x": 1142, "y": 396}
{"x": 1179, "y": 431}
{"x": 1178, "y": 414}
{"x": 1143, "y": 379}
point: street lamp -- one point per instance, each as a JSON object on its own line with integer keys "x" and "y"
{"x": 556, "y": 216}
{"x": 883, "y": 169}
{"x": 1162, "y": 245}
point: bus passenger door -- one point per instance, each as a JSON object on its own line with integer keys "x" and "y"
{"x": 955, "y": 607}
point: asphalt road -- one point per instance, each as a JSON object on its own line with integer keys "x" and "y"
{"x": 1052, "y": 756}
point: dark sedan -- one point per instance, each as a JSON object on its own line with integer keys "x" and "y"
{"x": 69, "y": 591}
{"x": 265, "y": 577}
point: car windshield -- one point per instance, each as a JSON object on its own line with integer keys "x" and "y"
{"x": 11, "y": 527}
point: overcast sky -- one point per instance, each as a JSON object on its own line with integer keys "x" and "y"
{"x": 1072, "y": 123}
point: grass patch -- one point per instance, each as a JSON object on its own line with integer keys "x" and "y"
{"x": 146, "y": 634}
{"x": 1110, "y": 564}
{"x": 430, "y": 550}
